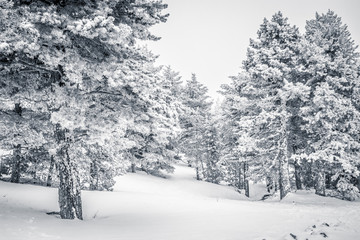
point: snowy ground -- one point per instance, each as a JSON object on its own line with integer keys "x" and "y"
{"x": 143, "y": 207}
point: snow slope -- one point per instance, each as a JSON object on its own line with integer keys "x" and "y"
{"x": 144, "y": 207}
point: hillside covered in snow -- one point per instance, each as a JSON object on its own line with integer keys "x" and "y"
{"x": 178, "y": 207}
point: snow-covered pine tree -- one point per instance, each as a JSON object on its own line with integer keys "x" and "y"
{"x": 172, "y": 85}
{"x": 161, "y": 122}
{"x": 192, "y": 122}
{"x": 237, "y": 113}
{"x": 333, "y": 116}
{"x": 86, "y": 51}
{"x": 211, "y": 141}
{"x": 271, "y": 63}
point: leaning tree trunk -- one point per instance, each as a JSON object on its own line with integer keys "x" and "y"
{"x": 320, "y": 179}
{"x": 16, "y": 166}
{"x": 69, "y": 188}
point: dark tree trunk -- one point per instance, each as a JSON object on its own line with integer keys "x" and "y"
{"x": 16, "y": 166}
{"x": 69, "y": 189}
{"x": 269, "y": 184}
{"x": 51, "y": 169}
{"x": 1, "y": 167}
{"x": 94, "y": 177}
{"x": 35, "y": 169}
{"x": 297, "y": 174}
{"x": 197, "y": 174}
{"x": 308, "y": 174}
{"x": 133, "y": 168}
{"x": 240, "y": 174}
{"x": 358, "y": 179}
{"x": 246, "y": 180}
{"x": 320, "y": 179}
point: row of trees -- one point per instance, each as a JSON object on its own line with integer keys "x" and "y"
{"x": 293, "y": 115}
{"x": 291, "y": 118}
{"x": 83, "y": 103}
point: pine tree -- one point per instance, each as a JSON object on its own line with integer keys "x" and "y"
{"x": 271, "y": 64}
{"x": 333, "y": 116}
{"x": 84, "y": 59}
{"x": 192, "y": 122}
{"x": 212, "y": 171}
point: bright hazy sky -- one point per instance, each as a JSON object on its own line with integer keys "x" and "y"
{"x": 210, "y": 37}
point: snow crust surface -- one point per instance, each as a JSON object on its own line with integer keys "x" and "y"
{"x": 144, "y": 207}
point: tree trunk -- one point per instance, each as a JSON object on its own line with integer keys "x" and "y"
{"x": 16, "y": 166}
{"x": 202, "y": 168}
{"x": 35, "y": 168}
{"x": 69, "y": 189}
{"x": 308, "y": 174}
{"x": 15, "y": 172}
{"x": 358, "y": 179}
{"x": 197, "y": 174}
{"x": 283, "y": 160}
{"x": 320, "y": 179}
{"x": 94, "y": 177}
{"x": 297, "y": 173}
{"x": 284, "y": 180}
{"x": 133, "y": 168}
{"x": 246, "y": 180}
{"x": 51, "y": 169}
{"x": 240, "y": 178}
{"x": 269, "y": 184}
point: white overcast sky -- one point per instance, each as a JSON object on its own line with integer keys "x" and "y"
{"x": 210, "y": 37}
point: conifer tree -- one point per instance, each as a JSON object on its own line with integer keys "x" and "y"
{"x": 192, "y": 122}
{"x": 333, "y": 116}
{"x": 271, "y": 65}
{"x": 86, "y": 59}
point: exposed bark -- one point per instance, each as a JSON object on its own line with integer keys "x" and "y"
{"x": 16, "y": 166}
{"x": 297, "y": 174}
{"x": 94, "y": 176}
{"x": 358, "y": 179}
{"x": 284, "y": 178}
{"x": 34, "y": 173}
{"x": 308, "y": 174}
{"x": 197, "y": 174}
{"x": 69, "y": 189}
{"x": 320, "y": 179}
{"x": 269, "y": 184}
{"x": 51, "y": 170}
{"x": 246, "y": 180}
{"x": 202, "y": 168}
{"x": 282, "y": 157}
{"x": 133, "y": 168}
{"x": 240, "y": 178}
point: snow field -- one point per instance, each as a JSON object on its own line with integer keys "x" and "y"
{"x": 144, "y": 207}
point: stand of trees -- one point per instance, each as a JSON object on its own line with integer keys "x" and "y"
{"x": 81, "y": 103}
